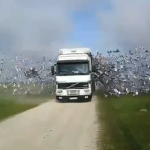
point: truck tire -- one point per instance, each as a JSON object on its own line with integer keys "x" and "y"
{"x": 89, "y": 99}
{"x": 59, "y": 101}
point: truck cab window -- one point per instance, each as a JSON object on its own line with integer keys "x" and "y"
{"x": 74, "y": 68}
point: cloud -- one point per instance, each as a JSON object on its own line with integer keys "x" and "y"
{"x": 126, "y": 24}
{"x": 36, "y": 27}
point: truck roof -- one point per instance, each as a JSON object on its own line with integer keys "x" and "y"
{"x": 66, "y": 51}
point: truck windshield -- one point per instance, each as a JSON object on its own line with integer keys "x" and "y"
{"x": 75, "y": 68}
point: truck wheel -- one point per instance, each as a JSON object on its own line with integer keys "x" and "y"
{"x": 89, "y": 99}
{"x": 58, "y": 100}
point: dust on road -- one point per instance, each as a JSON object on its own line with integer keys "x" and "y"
{"x": 51, "y": 126}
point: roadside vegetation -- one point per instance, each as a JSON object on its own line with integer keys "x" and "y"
{"x": 12, "y": 103}
{"x": 124, "y": 122}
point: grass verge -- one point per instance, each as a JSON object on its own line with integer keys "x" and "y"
{"x": 125, "y": 123}
{"x": 11, "y": 104}
{"x": 11, "y": 107}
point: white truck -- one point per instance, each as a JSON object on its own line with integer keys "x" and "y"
{"x": 73, "y": 75}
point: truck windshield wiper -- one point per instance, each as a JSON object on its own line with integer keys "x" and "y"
{"x": 64, "y": 72}
{"x": 79, "y": 72}
{"x": 82, "y": 73}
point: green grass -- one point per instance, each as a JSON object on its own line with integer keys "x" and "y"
{"x": 13, "y": 104}
{"x": 11, "y": 107}
{"x": 124, "y": 125}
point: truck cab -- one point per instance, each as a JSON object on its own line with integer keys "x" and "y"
{"x": 73, "y": 75}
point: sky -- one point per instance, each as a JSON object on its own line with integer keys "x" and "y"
{"x": 37, "y": 28}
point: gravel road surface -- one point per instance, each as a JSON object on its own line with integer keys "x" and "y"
{"x": 51, "y": 126}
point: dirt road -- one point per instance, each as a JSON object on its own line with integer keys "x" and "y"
{"x": 51, "y": 126}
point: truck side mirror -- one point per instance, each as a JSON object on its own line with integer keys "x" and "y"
{"x": 94, "y": 69}
{"x": 52, "y": 70}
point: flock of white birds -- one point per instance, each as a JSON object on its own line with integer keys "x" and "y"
{"x": 119, "y": 73}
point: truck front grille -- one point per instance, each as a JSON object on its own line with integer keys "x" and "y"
{"x": 81, "y": 85}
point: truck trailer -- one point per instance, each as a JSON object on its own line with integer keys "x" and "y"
{"x": 73, "y": 75}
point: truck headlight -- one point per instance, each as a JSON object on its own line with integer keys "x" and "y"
{"x": 59, "y": 91}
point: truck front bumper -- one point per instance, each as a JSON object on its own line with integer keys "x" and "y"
{"x": 74, "y": 98}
